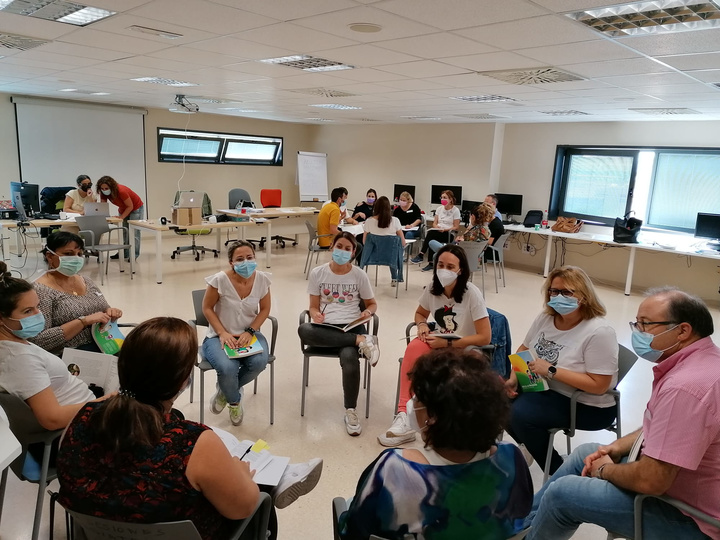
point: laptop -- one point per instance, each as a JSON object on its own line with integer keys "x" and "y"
{"x": 191, "y": 199}
{"x": 20, "y": 207}
{"x": 97, "y": 209}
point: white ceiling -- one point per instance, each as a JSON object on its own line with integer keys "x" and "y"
{"x": 427, "y": 52}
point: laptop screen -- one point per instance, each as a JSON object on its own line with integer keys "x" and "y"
{"x": 191, "y": 199}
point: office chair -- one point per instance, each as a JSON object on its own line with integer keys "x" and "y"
{"x": 195, "y": 232}
{"x": 240, "y": 198}
{"x": 92, "y": 229}
{"x": 384, "y": 251}
{"x": 496, "y": 249}
{"x": 314, "y": 247}
{"x": 272, "y": 198}
{"x": 476, "y": 259}
{"x": 626, "y": 360}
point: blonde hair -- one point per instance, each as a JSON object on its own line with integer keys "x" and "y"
{"x": 486, "y": 213}
{"x": 576, "y": 279}
{"x": 406, "y": 195}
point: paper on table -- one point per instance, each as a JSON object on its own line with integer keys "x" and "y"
{"x": 352, "y": 229}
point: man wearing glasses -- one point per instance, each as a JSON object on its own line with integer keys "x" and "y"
{"x": 678, "y": 448}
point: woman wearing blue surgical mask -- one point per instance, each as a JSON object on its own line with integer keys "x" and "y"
{"x": 574, "y": 349}
{"x": 28, "y": 372}
{"x": 461, "y": 482}
{"x": 236, "y": 304}
{"x": 71, "y": 303}
{"x": 336, "y": 290}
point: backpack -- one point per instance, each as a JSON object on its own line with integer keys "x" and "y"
{"x": 532, "y": 218}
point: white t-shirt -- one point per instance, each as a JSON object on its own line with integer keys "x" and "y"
{"x": 78, "y": 201}
{"x": 27, "y": 370}
{"x": 447, "y": 217}
{"x": 371, "y": 227}
{"x": 236, "y": 313}
{"x": 590, "y": 347}
{"x": 339, "y": 294}
{"x": 455, "y": 317}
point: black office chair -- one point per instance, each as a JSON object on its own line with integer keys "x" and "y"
{"x": 240, "y": 198}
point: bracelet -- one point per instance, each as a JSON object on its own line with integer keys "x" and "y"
{"x": 600, "y": 470}
{"x": 423, "y": 322}
{"x": 250, "y": 330}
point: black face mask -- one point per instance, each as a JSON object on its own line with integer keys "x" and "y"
{"x": 86, "y": 187}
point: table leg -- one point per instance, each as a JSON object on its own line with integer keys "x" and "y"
{"x": 268, "y": 243}
{"x": 18, "y": 241}
{"x": 631, "y": 267}
{"x": 158, "y": 257}
{"x": 219, "y": 239}
{"x": 548, "y": 252}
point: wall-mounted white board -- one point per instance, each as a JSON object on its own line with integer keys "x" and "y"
{"x": 312, "y": 177}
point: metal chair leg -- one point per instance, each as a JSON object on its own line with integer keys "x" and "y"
{"x": 202, "y": 396}
{"x": 367, "y": 393}
{"x": 304, "y": 384}
{"x": 272, "y": 393}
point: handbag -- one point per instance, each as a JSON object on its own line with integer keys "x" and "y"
{"x": 532, "y": 218}
{"x": 567, "y": 225}
{"x": 626, "y": 229}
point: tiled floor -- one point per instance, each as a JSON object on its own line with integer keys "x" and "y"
{"x": 321, "y": 432}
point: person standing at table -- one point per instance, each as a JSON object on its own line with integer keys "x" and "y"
{"x": 129, "y": 205}
{"x": 75, "y": 199}
{"x": 409, "y": 215}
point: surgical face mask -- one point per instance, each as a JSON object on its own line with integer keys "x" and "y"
{"x": 562, "y": 305}
{"x": 444, "y": 202}
{"x": 30, "y": 326}
{"x": 412, "y": 416}
{"x": 446, "y": 277}
{"x": 370, "y": 200}
{"x": 106, "y": 192}
{"x": 343, "y": 204}
{"x": 404, "y": 204}
{"x": 340, "y": 256}
{"x": 245, "y": 268}
{"x": 642, "y": 344}
{"x": 68, "y": 265}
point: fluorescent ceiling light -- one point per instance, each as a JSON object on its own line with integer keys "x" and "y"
{"x": 336, "y": 106}
{"x": 155, "y": 32}
{"x": 68, "y": 90}
{"x": 653, "y": 17}
{"x": 55, "y": 10}
{"x": 564, "y": 113}
{"x": 5, "y": 3}
{"x": 85, "y": 16}
{"x": 285, "y": 59}
{"x": 307, "y": 63}
{"x": 166, "y": 82}
{"x": 320, "y": 119}
{"x": 489, "y": 98}
{"x": 421, "y": 117}
{"x": 334, "y": 67}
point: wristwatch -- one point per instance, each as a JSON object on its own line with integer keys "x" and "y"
{"x": 552, "y": 370}
{"x": 250, "y": 330}
{"x": 81, "y": 318}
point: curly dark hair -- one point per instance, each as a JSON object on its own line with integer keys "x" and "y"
{"x": 465, "y": 399}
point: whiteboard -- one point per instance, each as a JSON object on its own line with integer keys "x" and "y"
{"x": 312, "y": 176}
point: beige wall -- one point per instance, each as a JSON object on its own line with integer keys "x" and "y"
{"x": 9, "y": 164}
{"x": 527, "y": 168}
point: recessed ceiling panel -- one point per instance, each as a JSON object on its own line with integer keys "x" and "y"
{"x": 437, "y": 45}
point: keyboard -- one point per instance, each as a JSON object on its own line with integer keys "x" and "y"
{"x": 44, "y": 215}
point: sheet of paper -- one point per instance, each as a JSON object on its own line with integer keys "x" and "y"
{"x": 270, "y": 471}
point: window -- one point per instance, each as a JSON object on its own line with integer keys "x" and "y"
{"x": 665, "y": 187}
{"x": 226, "y": 148}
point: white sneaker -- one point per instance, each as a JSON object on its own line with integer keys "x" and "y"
{"x": 218, "y": 401}
{"x": 352, "y": 423}
{"x": 298, "y": 479}
{"x": 369, "y": 349}
{"x": 393, "y": 283}
{"x": 398, "y": 433}
{"x": 236, "y": 413}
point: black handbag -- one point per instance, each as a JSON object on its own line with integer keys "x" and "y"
{"x": 532, "y": 218}
{"x": 626, "y": 229}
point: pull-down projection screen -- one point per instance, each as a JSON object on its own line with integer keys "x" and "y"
{"x": 59, "y": 141}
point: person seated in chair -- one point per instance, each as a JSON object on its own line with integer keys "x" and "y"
{"x": 497, "y": 229}
{"x": 461, "y": 483}
{"x": 447, "y": 220}
{"x": 383, "y": 223}
{"x": 70, "y": 303}
{"x": 478, "y": 231}
{"x": 409, "y": 215}
{"x": 364, "y": 209}
{"x": 675, "y": 454}
{"x": 134, "y": 458}
{"x": 75, "y": 199}
{"x": 236, "y": 304}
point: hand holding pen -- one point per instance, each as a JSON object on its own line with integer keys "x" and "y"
{"x": 320, "y": 317}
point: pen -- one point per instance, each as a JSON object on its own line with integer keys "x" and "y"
{"x": 246, "y": 452}
{"x": 323, "y": 309}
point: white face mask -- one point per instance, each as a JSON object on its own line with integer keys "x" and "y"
{"x": 412, "y": 416}
{"x": 446, "y": 277}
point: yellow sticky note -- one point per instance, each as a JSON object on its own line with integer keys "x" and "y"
{"x": 259, "y": 446}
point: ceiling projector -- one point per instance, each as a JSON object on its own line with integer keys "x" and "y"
{"x": 182, "y": 105}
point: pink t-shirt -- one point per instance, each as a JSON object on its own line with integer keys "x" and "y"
{"x": 682, "y": 425}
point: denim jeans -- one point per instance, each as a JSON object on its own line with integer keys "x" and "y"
{"x": 135, "y": 214}
{"x": 234, "y": 373}
{"x": 411, "y": 234}
{"x": 343, "y": 343}
{"x": 434, "y": 245}
{"x": 568, "y": 499}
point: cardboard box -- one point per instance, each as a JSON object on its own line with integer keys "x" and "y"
{"x": 187, "y": 216}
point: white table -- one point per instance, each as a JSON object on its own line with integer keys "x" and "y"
{"x": 646, "y": 243}
{"x": 9, "y": 446}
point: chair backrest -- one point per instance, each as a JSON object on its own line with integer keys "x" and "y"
{"x": 25, "y": 427}
{"x": 97, "y": 224}
{"x": 626, "y": 360}
{"x": 473, "y": 252}
{"x": 197, "y": 298}
{"x": 382, "y": 250}
{"x": 271, "y": 198}
{"x": 238, "y": 194}
{"x": 500, "y": 242}
{"x": 96, "y": 528}
{"x": 312, "y": 234}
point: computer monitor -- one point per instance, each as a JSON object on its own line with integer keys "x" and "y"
{"x": 708, "y": 226}
{"x": 399, "y": 188}
{"x": 509, "y": 204}
{"x": 29, "y": 194}
{"x": 436, "y": 192}
{"x": 466, "y": 207}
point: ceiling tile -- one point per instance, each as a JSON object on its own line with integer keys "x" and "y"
{"x": 454, "y": 14}
{"x": 41, "y": 54}
{"x": 492, "y": 61}
{"x": 365, "y": 56}
{"x": 157, "y": 64}
{"x": 423, "y": 68}
{"x": 196, "y": 56}
{"x": 369, "y": 75}
{"x": 574, "y": 5}
{"x": 288, "y": 10}
{"x": 693, "y": 61}
{"x": 708, "y": 76}
{"x": 295, "y": 38}
{"x": 654, "y": 79}
{"x": 677, "y": 43}
{"x": 120, "y": 24}
{"x": 437, "y": 45}
{"x": 106, "y": 40}
{"x": 242, "y": 48}
{"x": 629, "y": 66}
{"x": 577, "y": 53}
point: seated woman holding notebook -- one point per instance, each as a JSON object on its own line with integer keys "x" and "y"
{"x": 236, "y": 304}
{"x": 459, "y": 311}
{"x": 335, "y": 290}
{"x": 134, "y": 458}
{"x": 70, "y": 303}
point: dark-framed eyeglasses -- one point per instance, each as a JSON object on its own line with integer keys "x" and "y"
{"x": 639, "y": 326}
{"x": 86, "y": 186}
{"x": 567, "y": 293}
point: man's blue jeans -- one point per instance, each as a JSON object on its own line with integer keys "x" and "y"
{"x": 568, "y": 499}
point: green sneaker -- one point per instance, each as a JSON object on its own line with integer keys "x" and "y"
{"x": 218, "y": 402}
{"x": 236, "y": 414}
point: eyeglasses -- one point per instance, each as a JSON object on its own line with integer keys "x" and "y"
{"x": 640, "y": 325}
{"x": 86, "y": 185}
{"x": 567, "y": 293}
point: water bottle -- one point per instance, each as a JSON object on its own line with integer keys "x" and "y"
{"x": 545, "y": 220}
